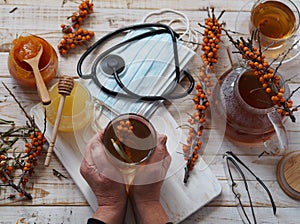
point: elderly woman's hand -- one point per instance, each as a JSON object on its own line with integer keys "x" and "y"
{"x": 105, "y": 181}
{"x": 145, "y": 189}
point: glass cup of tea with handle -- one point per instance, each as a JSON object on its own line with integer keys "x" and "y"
{"x": 274, "y": 24}
{"x": 129, "y": 140}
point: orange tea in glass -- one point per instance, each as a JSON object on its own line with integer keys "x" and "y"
{"x": 129, "y": 139}
{"x": 277, "y": 22}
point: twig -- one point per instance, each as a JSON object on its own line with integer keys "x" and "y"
{"x": 24, "y": 161}
{"x": 20, "y": 106}
{"x": 293, "y": 92}
{"x": 58, "y": 174}
{"x": 14, "y": 9}
{"x": 63, "y": 3}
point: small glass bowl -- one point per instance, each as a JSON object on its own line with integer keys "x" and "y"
{"x": 78, "y": 108}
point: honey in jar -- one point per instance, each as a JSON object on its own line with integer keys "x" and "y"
{"x": 25, "y": 47}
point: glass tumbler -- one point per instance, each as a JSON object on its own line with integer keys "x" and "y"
{"x": 78, "y": 109}
{"x": 129, "y": 140}
{"x": 277, "y": 22}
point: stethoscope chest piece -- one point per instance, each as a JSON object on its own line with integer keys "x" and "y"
{"x": 112, "y": 64}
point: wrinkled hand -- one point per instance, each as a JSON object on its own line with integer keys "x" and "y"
{"x": 150, "y": 175}
{"x": 102, "y": 177}
{"x": 144, "y": 192}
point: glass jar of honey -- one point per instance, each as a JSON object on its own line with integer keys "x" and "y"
{"x": 27, "y": 46}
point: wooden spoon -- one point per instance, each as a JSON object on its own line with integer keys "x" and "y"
{"x": 40, "y": 84}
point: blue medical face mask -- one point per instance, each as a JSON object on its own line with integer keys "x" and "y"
{"x": 148, "y": 71}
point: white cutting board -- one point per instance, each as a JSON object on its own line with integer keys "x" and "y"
{"x": 179, "y": 200}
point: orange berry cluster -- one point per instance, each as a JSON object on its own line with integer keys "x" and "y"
{"x": 124, "y": 129}
{"x": 33, "y": 150}
{"x": 85, "y": 8}
{"x": 211, "y": 40}
{"x": 196, "y": 127}
{"x": 25, "y": 162}
{"x": 204, "y": 76}
{"x": 267, "y": 76}
{"x": 74, "y": 35}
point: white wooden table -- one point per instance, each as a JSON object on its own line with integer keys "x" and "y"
{"x": 60, "y": 201}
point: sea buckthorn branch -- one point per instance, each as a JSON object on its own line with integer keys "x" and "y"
{"x": 124, "y": 129}
{"x": 210, "y": 46}
{"x": 196, "y": 127}
{"x": 269, "y": 78}
{"x": 11, "y": 161}
{"x": 17, "y": 164}
{"x": 73, "y": 34}
{"x": 211, "y": 38}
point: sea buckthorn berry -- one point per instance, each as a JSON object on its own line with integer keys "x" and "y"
{"x": 3, "y": 179}
{"x": 10, "y": 168}
{"x": 268, "y": 90}
{"x": 25, "y": 168}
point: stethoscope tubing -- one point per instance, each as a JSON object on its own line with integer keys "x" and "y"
{"x": 129, "y": 94}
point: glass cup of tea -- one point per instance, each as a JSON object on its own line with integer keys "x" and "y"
{"x": 129, "y": 140}
{"x": 274, "y": 24}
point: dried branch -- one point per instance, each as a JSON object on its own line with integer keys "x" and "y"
{"x": 10, "y": 161}
{"x": 30, "y": 119}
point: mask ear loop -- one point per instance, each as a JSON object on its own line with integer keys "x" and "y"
{"x": 130, "y": 94}
{"x": 184, "y": 29}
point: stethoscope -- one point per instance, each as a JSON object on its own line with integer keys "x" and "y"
{"x": 113, "y": 64}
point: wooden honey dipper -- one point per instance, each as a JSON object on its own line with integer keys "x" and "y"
{"x": 65, "y": 86}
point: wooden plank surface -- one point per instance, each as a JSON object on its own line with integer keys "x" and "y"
{"x": 59, "y": 200}
{"x": 73, "y": 214}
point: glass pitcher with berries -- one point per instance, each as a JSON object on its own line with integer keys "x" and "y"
{"x": 248, "y": 108}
